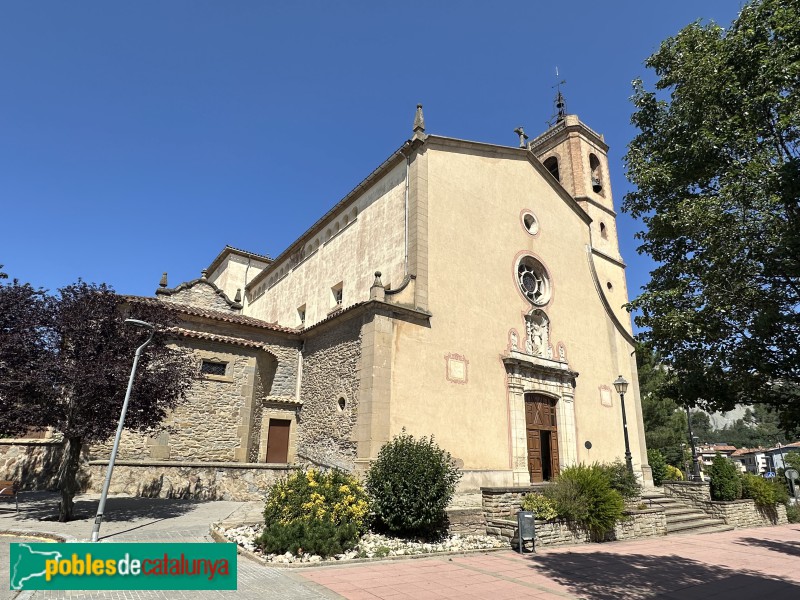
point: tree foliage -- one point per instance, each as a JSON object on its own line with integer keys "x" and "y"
{"x": 716, "y": 166}
{"x": 65, "y": 361}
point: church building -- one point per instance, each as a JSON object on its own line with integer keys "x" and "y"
{"x": 465, "y": 290}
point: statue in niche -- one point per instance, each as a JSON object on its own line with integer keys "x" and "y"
{"x": 537, "y": 326}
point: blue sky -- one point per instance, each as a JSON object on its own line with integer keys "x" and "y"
{"x": 141, "y": 137}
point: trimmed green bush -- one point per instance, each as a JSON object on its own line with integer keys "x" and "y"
{"x": 726, "y": 484}
{"x": 410, "y": 484}
{"x": 316, "y": 512}
{"x": 584, "y": 494}
{"x": 541, "y": 506}
{"x": 673, "y": 474}
{"x": 658, "y": 465}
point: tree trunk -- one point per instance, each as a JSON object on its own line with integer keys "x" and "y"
{"x": 68, "y": 477}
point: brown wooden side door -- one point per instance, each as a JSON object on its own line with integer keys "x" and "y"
{"x": 278, "y": 441}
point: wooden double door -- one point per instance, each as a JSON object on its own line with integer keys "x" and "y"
{"x": 541, "y": 431}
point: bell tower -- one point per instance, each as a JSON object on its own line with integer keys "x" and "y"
{"x": 577, "y": 157}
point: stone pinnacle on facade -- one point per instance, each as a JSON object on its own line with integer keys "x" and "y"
{"x": 419, "y": 121}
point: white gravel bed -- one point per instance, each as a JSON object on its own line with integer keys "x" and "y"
{"x": 372, "y": 545}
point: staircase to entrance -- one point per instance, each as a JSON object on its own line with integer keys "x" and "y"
{"x": 681, "y": 517}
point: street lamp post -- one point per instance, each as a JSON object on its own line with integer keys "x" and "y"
{"x": 621, "y": 385}
{"x": 101, "y": 507}
{"x": 695, "y": 476}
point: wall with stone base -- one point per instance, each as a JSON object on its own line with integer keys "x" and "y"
{"x": 466, "y": 521}
{"x": 739, "y": 513}
{"x": 500, "y": 506}
{"x": 637, "y": 524}
{"x": 195, "y": 481}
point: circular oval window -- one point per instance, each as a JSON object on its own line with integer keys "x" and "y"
{"x": 531, "y": 223}
{"x": 533, "y": 280}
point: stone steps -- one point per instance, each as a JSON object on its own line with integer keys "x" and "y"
{"x": 682, "y": 518}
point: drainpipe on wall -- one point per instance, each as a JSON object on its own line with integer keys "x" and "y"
{"x": 299, "y": 371}
{"x": 244, "y": 287}
{"x": 405, "y": 231}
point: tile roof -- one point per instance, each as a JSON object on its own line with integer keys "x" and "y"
{"x": 213, "y": 337}
{"x": 211, "y": 314}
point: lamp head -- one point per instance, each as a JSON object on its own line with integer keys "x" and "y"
{"x": 139, "y": 323}
{"x": 621, "y": 385}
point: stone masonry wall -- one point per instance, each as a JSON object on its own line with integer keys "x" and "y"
{"x": 500, "y": 506}
{"x": 216, "y": 481}
{"x": 32, "y": 463}
{"x": 637, "y": 524}
{"x": 330, "y": 372}
{"x": 739, "y": 513}
{"x": 691, "y": 491}
{"x": 745, "y": 513}
{"x": 202, "y": 295}
{"x": 205, "y": 426}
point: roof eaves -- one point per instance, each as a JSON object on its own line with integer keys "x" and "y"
{"x": 231, "y": 250}
{"x": 212, "y": 314}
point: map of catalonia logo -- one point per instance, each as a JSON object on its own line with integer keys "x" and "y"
{"x": 130, "y": 566}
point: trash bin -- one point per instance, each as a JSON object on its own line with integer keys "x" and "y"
{"x": 526, "y": 526}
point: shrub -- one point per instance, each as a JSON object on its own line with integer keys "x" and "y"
{"x": 622, "y": 480}
{"x": 793, "y": 513}
{"x": 757, "y": 489}
{"x": 726, "y": 484}
{"x": 584, "y": 494}
{"x": 658, "y": 465}
{"x": 673, "y": 474}
{"x": 320, "y": 513}
{"x": 541, "y": 506}
{"x": 410, "y": 484}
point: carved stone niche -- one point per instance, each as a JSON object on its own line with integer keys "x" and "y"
{"x": 537, "y": 328}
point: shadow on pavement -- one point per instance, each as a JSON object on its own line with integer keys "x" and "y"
{"x": 790, "y": 548}
{"x": 43, "y": 506}
{"x": 600, "y": 575}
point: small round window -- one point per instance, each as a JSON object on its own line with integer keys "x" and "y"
{"x": 533, "y": 280}
{"x": 531, "y": 223}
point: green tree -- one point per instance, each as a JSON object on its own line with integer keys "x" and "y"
{"x": 716, "y": 166}
{"x": 792, "y": 460}
{"x": 664, "y": 419}
{"x": 65, "y": 361}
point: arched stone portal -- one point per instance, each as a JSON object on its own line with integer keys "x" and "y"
{"x": 542, "y": 416}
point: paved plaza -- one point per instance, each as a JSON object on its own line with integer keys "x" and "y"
{"x": 734, "y": 565}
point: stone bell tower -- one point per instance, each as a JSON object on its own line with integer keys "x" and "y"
{"x": 577, "y": 157}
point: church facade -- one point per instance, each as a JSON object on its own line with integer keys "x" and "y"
{"x": 469, "y": 291}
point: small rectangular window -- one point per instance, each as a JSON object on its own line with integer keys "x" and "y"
{"x": 211, "y": 367}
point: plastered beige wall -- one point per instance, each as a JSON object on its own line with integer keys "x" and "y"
{"x": 348, "y": 252}
{"x": 235, "y": 273}
{"x": 475, "y": 233}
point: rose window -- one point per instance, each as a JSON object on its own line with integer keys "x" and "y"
{"x": 533, "y": 280}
